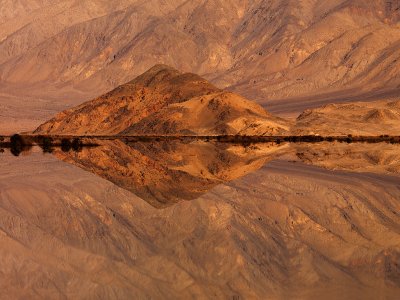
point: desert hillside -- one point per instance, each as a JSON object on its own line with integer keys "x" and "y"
{"x": 163, "y": 101}
{"x": 287, "y": 55}
{"x": 220, "y": 113}
{"x": 359, "y": 118}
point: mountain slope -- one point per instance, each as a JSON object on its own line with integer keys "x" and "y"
{"x": 358, "y": 118}
{"x": 150, "y": 103}
{"x": 276, "y": 52}
{"x": 221, "y": 113}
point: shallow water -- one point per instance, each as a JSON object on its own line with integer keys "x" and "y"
{"x": 201, "y": 220}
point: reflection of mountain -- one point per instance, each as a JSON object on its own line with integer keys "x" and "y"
{"x": 166, "y": 172}
{"x": 163, "y": 173}
{"x": 288, "y": 231}
{"x": 356, "y": 157}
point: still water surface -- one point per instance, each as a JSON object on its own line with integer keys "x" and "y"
{"x": 201, "y": 220}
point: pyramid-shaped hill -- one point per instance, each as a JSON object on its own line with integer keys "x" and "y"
{"x": 164, "y": 101}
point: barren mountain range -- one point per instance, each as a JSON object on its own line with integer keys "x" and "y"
{"x": 286, "y": 55}
{"x": 322, "y": 222}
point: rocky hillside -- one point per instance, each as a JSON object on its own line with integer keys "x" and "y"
{"x": 287, "y": 55}
{"x": 163, "y": 101}
{"x": 220, "y": 113}
{"x": 359, "y": 118}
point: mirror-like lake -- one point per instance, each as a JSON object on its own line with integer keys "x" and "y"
{"x": 199, "y": 219}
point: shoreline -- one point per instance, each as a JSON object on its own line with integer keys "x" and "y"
{"x": 57, "y": 140}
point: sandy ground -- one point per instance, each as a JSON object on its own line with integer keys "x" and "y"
{"x": 286, "y": 231}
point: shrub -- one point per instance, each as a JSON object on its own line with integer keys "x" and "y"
{"x": 17, "y": 144}
{"x": 47, "y": 144}
{"x": 66, "y": 145}
{"x": 77, "y": 145}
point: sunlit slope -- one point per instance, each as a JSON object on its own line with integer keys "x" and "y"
{"x": 265, "y": 50}
{"x": 164, "y": 101}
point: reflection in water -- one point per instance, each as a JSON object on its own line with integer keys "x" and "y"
{"x": 169, "y": 171}
{"x": 18, "y": 144}
{"x": 359, "y": 157}
{"x": 166, "y": 172}
{"x": 285, "y": 230}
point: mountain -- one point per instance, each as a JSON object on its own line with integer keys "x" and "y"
{"x": 287, "y": 55}
{"x": 163, "y": 101}
{"x": 358, "y": 118}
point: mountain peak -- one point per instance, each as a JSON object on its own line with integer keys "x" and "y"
{"x": 156, "y": 95}
{"x": 173, "y": 83}
{"x": 159, "y": 71}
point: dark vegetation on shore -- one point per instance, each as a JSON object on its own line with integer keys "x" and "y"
{"x": 20, "y": 143}
{"x": 23, "y": 143}
{"x": 267, "y": 139}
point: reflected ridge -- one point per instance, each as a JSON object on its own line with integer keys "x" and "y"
{"x": 166, "y": 172}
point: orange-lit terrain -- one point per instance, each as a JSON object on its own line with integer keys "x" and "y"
{"x": 286, "y": 55}
{"x": 163, "y": 101}
{"x": 200, "y": 149}
{"x": 285, "y": 230}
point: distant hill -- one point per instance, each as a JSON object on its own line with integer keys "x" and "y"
{"x": 163, "y": 101}
{"x": 358, "y": 118}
